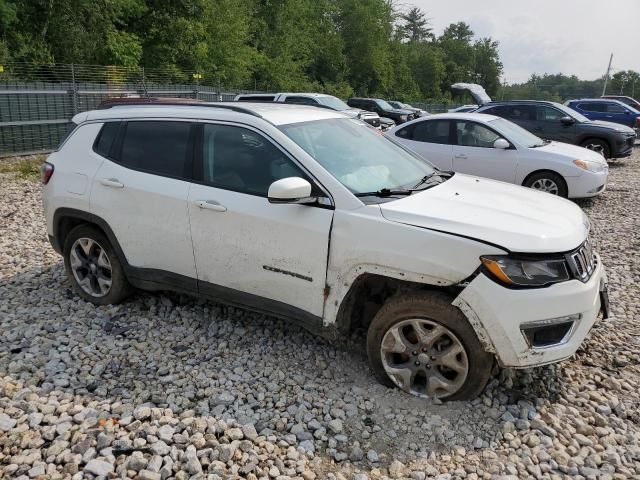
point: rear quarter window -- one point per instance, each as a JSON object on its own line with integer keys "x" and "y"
{"x": 65, "y": 136}
{"x": 105, "y": 139}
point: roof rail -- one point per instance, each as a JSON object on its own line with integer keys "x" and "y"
{"x": 165, "y": 101}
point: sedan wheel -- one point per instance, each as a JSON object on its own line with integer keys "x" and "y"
{"x": 424, "y": 358}
{"x": 546, "y": 185}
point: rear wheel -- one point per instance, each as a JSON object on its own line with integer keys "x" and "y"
{"x": 597, "y": 145}
{"x": 423, "y": 345}
{"x": 549, "y": 182}
{"x": 93, "y": 267}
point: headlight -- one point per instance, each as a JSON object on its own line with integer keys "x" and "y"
{"x": 403, "y": 118}
{"x": 588, "y": 165}
{"x": 525, "y": 273}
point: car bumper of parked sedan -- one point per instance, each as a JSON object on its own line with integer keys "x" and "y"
{"x": 530, "y": 327}
{"x": 589, "y": 184}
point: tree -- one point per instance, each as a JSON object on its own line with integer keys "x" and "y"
{"x": 416, "y": 26}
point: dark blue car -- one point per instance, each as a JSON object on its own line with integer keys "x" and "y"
{"x": 608, "y": 110}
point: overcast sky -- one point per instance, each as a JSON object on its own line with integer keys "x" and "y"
{"x": 548, "y": 36}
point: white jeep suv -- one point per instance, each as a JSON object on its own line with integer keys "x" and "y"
{"x": 306, "y": 214}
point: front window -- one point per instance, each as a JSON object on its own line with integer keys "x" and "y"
{"x": 516, "y": 134}
{"x": 570, "y": 112}
{"x": 333, "y": 102}
{"x": 472, "y": 134}
{"x": 359, "y": 157}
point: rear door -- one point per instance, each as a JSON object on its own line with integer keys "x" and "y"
{"x": 474, "y": 154}
{"x": 593, "y": 110}
{"x": 431, "y": 139}
{"x": 141, "y": 191}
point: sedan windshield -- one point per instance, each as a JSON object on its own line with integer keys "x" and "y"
{"x": 358, "y": 156}
{"x": 333, "y": 102}
{"x": 515, "y": 133}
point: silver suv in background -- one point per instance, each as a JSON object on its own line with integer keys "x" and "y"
{"x": 317, "y": 100}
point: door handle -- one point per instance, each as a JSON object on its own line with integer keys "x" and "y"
{"x": 112, "y": 182}
{"x": 461, "y": 155}
{"x": 210, "y": 205}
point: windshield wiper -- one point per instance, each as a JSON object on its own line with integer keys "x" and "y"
{"x": 385, "y": 192}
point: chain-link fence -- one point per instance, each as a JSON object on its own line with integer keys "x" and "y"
{"x": 37, "y": 102}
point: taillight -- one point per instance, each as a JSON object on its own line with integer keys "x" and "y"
{"x": 46, "y": 172}
{"x": 637, "y": 122}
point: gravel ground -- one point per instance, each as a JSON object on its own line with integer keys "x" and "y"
{"x": 166, "y": 386}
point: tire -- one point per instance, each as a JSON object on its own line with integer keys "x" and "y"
{"x": 597, "y": 145}
{"x": 429, "y": 309}
{"x": 549, "y": 182}
{"x": 90, "y": 272}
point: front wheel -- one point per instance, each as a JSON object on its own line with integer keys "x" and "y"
{"x": 597, "y": 145}
{"x": 549, "y": 182}
{"x": 423, "y": 345}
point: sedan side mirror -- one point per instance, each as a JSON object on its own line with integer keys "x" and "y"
{"x": 501, "y": 143}
{"x": 290, "y": 190}
{"x": 567, "y": 120}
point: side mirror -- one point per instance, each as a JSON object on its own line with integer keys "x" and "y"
{"x": 501, "y": 143}
{"x": 290, "y": 190}
{"x": 567, "y": 120}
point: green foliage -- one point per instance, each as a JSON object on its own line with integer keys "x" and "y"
{"x": 343, "y": 47}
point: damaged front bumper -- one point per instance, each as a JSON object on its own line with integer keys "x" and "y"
{"x": 530, "y": 327}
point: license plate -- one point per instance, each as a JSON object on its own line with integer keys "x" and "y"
{"x": 604, "y": 301}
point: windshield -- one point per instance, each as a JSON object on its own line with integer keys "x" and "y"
{"x": 516, "y": 134}
{"x": 358, "y": 156}
{"x": 333, "y": 102}
{"x": 571, "y": 112}
{"x": 384, "y": 105}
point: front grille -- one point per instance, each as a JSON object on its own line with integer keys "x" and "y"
{"x": 582, "y": 261}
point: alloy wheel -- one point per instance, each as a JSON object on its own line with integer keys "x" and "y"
{"x": 596, "y": 147}
{"x": 546, "y": 185}
{"x": 424, "y": 358}
{"x": 91, "y": 267}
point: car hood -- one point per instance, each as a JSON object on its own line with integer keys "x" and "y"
{"x": 515, "y": 218}
{"x": 399, "y": 111}
{"x": 354, "y": 112}
{"x": 572, "y": 152}
{"x": 610, "y": 125}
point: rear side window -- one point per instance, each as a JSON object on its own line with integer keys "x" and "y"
{"x": 300, "y": 100}
{"x": 591, "y": 107}
{"x": 105, "y": 139}
{"x": 72, "y": 126}
{"x": 158, "y": 147}
{"x": 521, "y": 112}
{"x": 257, "y": 98}
{"x": 429, "y": 131}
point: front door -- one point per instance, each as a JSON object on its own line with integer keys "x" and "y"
{"x": 474, "y": 154}
{"x": 247, "y": 250}
{"x": 549, "y": 125}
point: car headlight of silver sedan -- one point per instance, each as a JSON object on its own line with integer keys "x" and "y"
{"x": 515, "y": 272}
{"x": 590, "y": 166}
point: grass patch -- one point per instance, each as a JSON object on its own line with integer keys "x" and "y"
{"x": 27, "y": 168}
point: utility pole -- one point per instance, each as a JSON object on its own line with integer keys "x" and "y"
{"x": 606, "y": 76}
